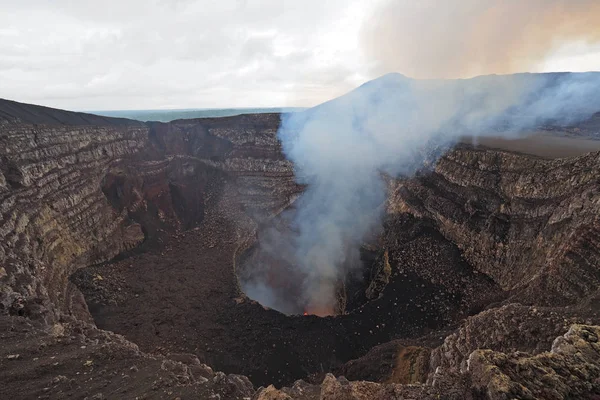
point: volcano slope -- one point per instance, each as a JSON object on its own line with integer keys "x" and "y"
{"x": 120, "y": 243}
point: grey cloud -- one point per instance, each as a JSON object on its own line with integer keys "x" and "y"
{"x": 86, "y": 54}
{"x": 193, "y": 53}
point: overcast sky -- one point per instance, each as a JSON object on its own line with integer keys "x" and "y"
{"x": 150, "y": 54}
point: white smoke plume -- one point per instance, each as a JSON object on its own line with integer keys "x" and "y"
{"x": 341, "y": 148}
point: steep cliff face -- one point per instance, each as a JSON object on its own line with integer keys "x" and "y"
{"x": 530, "y": 224}
{"x": 54, "y": 215}
{"x": 78, "y": 190}
{"x": 74, "y": 195}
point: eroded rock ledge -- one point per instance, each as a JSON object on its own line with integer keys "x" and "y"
{"x": 569, "y": 369}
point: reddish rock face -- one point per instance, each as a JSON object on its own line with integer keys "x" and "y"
{"x": 153, "y": 222}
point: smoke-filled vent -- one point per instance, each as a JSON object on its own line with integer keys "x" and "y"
{"x": 268, "y": 273}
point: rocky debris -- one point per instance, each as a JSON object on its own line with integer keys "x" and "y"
{"x": 270, "y": 393}
{"x": 333, "y": 388}
{"x": 392, "y": 362}
{"x": 417, "y": 250}
{"x": 508, "y": 329}
{"x": 570, "y": 370}
{"x": 85, "y": 362}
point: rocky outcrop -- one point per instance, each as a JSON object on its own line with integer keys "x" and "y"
{"x": 392, "y": 362}
{"x": 570, "y": 369}
{"x": 74, "y": 194}
{"x": 530, "y": 224}
{"x": 507, "y": 329}
{"x": 75, "y": 359}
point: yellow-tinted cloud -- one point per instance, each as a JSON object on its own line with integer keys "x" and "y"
{"x": 461, "y": 38}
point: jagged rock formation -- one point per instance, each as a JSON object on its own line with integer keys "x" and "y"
{"x": 568, "y": 370}
{"x": 179, "y": 203}
{"x": 510, "y": 328}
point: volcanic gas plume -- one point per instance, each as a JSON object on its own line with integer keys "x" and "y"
{"x": 392, "y": 125}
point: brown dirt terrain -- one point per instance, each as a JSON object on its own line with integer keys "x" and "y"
{"x": 540, "y": 144}
{"x": 77, "y": 360}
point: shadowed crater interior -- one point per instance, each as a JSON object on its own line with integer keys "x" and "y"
{"x": 180, "y": 295}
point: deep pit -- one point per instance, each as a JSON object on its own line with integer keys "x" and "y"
{"x": 276, "y": 285}
{"x": 268, "y": 274}
{"x": 153, "y": 222}
{"x": 181, "y": 296}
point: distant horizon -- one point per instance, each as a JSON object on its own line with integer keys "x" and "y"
{"x": 167, "y": 115}
{"x": 187, "y": 109}
{"x": 287, "y": 107}
{"x": 307, "y": 107}
{"x": 160, "y": 113}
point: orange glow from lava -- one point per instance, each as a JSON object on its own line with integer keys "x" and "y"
{"x": 319, "y": 311}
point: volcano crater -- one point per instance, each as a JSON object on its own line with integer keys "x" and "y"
{"x": 185, "y": 292}
{"x": 150, "y": 230}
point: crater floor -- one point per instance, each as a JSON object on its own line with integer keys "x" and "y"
{"x": 183, "y": 296}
